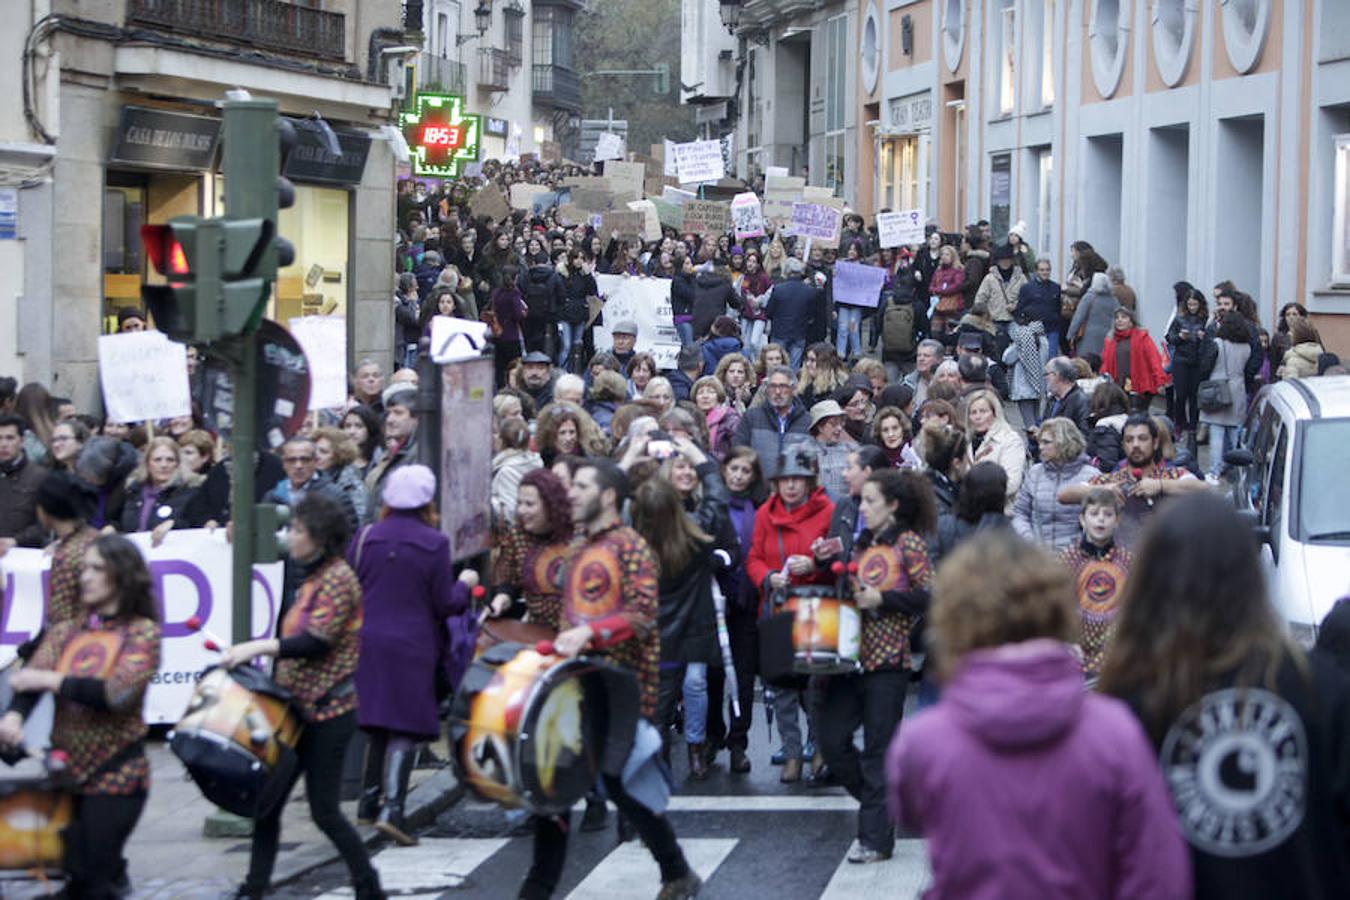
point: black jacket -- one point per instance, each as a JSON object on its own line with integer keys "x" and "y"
{"x": 682, "y": 295}
{"x": 545, "y": 293}
{"x": 713, "y": 297}
{"x": 1041, "y": 300}
{"x": 759, "y": 431}
{"x": 577, "y": 287}
{"x": 1075, "y": 406}
{"x": 792, "y": 309}
{"x": 19, "y": 483}
{"x": 1187, "y": 337}
{"x": 687, "y": 616}
{"x": 173, "y": 502}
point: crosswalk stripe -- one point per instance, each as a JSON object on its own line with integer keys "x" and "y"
{"x": 629, "y": 871}
{"x": 904, "y": 876}
{"x": 429, "y": 869}
{"x": 793, "y": 803}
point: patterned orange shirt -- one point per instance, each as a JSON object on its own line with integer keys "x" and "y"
{"x": 63, "y": 600}
{"x": 533, "y": 566}
{"x": 327, "y": 606}
{"x": 901, "y": 566}
{"x": 93, "y": 737}
{"x": 1099, "y": 579}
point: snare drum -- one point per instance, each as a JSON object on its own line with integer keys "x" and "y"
{"x": 237, "y": 740}
{"x": 825, "y": 631}
{"x": 530, "y": 730}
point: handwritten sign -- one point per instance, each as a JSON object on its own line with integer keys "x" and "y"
{"x": 651, "y": 220}
{"x": 324, "y": 340}
{"x": 747, "y": 218}
{"x": 856, "y": 284}
{"x": 625, "y": 179}
{"x": 699, "y": 161}
{"x": 522, "y": 194}
{"x": 671, "y": 215}
{"x": 608, "y": 146}
{"x": 646, "y": 303}
{"x": 899, "y": 229}
{"x": 816, "y": 221}
{"x": 144, "y": 376}
{"x": 706, "y": 217}
{"x": 625, "y": 221}
{"x": 490, "y": 202}
{"x": 780, "y": 192}
{"x": 675, "y": 195}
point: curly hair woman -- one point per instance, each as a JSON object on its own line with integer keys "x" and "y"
{"x": 565, "y": 428}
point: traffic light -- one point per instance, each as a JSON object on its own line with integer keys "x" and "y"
{"x": 268, "y": 520}
{"x": 182, "y": 308}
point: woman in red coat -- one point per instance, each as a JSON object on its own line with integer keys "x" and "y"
{"x": 795, "y": 516}
{"x": 1131, "y": 359}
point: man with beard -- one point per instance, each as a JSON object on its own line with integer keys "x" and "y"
{"x": 1143, "y": 479}
{"x": 537, "y": 377}
{"x": 610, "y": 600}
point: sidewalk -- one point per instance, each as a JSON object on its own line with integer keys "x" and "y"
{"x": 171, "y": 859}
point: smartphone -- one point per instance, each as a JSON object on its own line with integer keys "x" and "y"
{"x": 661, "y": 449}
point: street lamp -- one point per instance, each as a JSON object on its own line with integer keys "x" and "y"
{"x": 730, "y": 11}
{"x": 482, "y": 20}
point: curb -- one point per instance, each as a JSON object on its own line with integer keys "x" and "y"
{"x": 425, "y": 802}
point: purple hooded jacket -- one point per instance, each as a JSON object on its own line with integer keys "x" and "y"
{"x": 1027, "y": 786}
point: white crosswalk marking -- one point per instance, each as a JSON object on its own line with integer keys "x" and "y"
{"x": 429, "y": 869}
{"x": 770, "y": 803}
{"x": 630, "y": 872}
{"x": 903, "y": 877}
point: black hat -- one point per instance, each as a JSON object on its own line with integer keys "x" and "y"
{"x": 1004, "y": 251}
{"x": 536, "y": 356}
{"x": 128, "y": 312}
{"x": 64, "y": 496}
{"x": 799, "y": 462}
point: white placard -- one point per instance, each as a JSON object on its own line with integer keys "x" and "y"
{"x": 144, "y": 376}
{"x": 454, "y": 339}
{"x": 324, "y": 340}
{"x": 676, "y": 196}
{"x": 699, "y": 161}
{"x": 747, "y": 218}
{"x": 668, "y": 160}
{"x": 191, "y": 575}
{"x": 900, "y": 229}
{"x": 775, "y": 171}
{"x": 608, "y": 146}
{"x": 651, "y": 220}
{"x": 645, "y": 302}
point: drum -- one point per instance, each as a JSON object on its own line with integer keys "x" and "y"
{"x": 825, "y": 631}
{"x": 34, "y": 806}
{"x": 237, "y": 740}
{"x": 533, "y": 730}
{"x": 500, "y": 631}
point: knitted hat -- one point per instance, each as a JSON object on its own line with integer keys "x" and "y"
{"x": 409, "y": 487}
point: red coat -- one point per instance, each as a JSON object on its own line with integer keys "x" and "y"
{"x": 1146, "y": 367}
{"x": 780, "y": 533}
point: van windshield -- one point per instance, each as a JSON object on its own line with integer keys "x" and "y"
{"x": 1324, "y": 491}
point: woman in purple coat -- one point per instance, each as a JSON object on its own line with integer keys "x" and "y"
{"x": 409, "y": 590}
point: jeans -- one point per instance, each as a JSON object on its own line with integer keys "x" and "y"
{"x": 686, "y": 333}
{"x": 876, "y": 701}
{"x": 569, "y": 335}
{"x": 795, "y": 351}
{"x": 752, "y": 337}
{"x": 321, "y": 751}
{"x": 1222, "y": 438}
{"x": 786, "y": 703}
{"x": 695, "y": 702}
{"x": 1030, "y": 411}
{"x": 94, "y": 840}
{"x": 1052, "y": 343}
{"x": 848, "y": 335}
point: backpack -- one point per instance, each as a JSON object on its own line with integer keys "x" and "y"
{"x": 1103, "y": 447}
{"x": 898, "y": 332}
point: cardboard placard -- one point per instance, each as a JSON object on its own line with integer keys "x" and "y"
{"x": 677, "y": 196}
{"x": 699, "y": 161}
{"x": 651, "y": 221}
{"x": 747, "y": 217}
{"x": 857, "y": 284}
{"x": 707, "y": 217}
{"x": 570, "y": 215}
{"x": 608, "y": 146}
{"x": 780, "y": 192}
{"x": 899, "y": 229}
{"x": 489, "y": 201}
{"x": 816, "y": 221}
{"x": 591, "y": 200}
{"x": 522, "y": 194}
{"x": 626, "y": 222}
{"x": 671, "y": 215}
{"x": 625, "y": 179}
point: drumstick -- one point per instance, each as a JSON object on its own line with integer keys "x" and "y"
{"x": 213, "y": 641}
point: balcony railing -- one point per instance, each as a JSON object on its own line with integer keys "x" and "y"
{"x": 494, "y": 69}
{"x": 444, "y": 75}
{"x": 266, "y": 24}
{"x": 558, "y": 87}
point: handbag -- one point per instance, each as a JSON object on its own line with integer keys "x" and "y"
{"x": 1214, "y": 395}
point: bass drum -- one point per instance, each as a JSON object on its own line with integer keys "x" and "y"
{"x": 501, "y": 631}
{"x": 813, "y": 632}
{"x": 34, "y": 807}
{"x": 534, "y": 730}
{"x": 237, "y": 740}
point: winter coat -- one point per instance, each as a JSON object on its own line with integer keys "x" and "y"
{"x": 509, "y": 308}
{"x": 19, "y": 483}
{"x": 1186, "y": 337}
{"x": 1125, "y": 295}
{"x": 405, "y": 322}
{"x": 407, "y": 586}
{"x": 1095, "y": 317}
{"x": 781, "y": 532}
{"x": 723, "y": 420}
{"x": 738, "y": 589}
{"x": 948, "y": 281}
{"x": 791, "y": 310}
{"x": 508, "y": 467}
{"x": 1037, "y": 513}
{"x": 1300, "y": 360}
{"x": 1075, "y": 406}
{"x": 1027, "y": 354}
{"x": 1041, "y": 300}
{"x": 545, "y": 294}
{"x": 1146, "y": 368}
{"x": 577, "y": 287}
{"x": 682, "y": 294}
{"x": 952, "y": 531}
{"x": 602, "y": 411}
{"x": 713, "y": 296}
{"x": 1228, "y": 366}
{"x": 286, "y": 495}
{"x": 976, "y": 267}
{"x": 170, "y": 502}
{"x": 758, "y": 430}
{"x": 1000, "y": 295}
{"x": 1004, "y": 446}
{"x": 687, "y": 617}
{"x": 714, "y": 348}
{"x": 352, "y": 483}
{"x": 1026, "y": 786}
{"x": 426, "y": 275}
{"x": 1103, "y": 442}
{"x": 754, "y": 291}
{"x": 833, "y": 459}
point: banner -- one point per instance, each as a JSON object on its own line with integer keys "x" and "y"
{"x": 144, "y": 376}
{"x": 707, "y": 217}
{"x": 816, "y": 221}
{"x": 191, "y": 576}
{"x": 856, "y": 284}
{"x": 465, "y": 478}
{"x": 324, "y": 340}
{"x": 699, "y": 161}
{"x": 747, "y": 218}
{"x": 645, "y": 301}
{"x": 900, "y": 229}
{"x": 608, "y": 146}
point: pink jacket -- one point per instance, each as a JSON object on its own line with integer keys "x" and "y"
{"x": 1029, "y": 787}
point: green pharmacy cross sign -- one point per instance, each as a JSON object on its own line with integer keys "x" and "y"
{"x": 440, "y": 135}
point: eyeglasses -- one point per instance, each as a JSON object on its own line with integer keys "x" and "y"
{"x": 297, "y": 459}
{"x": 779, "y": 385}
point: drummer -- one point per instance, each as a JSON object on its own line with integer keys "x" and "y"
{"x": 531, "y": 552}
{"x": 98, "y": 722}
{"x": 609, "y": 608}
{"x": 891, "y": 589}
{"x": 316, "y": 651}
{"x": 64, "y": 503}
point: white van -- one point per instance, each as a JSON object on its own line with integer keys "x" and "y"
{"x": 1293, "y": 478}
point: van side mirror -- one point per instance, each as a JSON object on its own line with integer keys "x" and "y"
{"x": 1240, "y": 457}
{"x": 1252, "y": 519}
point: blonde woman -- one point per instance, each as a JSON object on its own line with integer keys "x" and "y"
{"x": 335, "y": 456}
{"x": 159, "y": 490}
{"x": 738, "y": 379}
{"x": 992, "y": 439}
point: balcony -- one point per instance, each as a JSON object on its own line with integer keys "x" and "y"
{"x": 262, "y": 24}
{"x": 557, "y": 87}
{"x": 437, "y": 74}
{"x": 494, "y": 69}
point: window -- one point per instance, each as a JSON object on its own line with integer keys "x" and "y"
{"x": 755, "y": 127}
{"x": 515, "y": 33}
{"x": 1245, "y": 24}
{"x": 1006, "y": 67}
{"x": 1047, "y": 53}
{"x": 1173, "y": 35}
{"x": 871, "y": 49}
{"x": 1273, "y": 512}
{"x": 1340, "y": 232}
{"x": 552, "y": 33}
{"x": 837, "y": 54}
{"x": 1323, "y": 496}
{"x": 442, "y": 34}
{"x": 1108, "y": 34}
{"x": 953, "y": 32}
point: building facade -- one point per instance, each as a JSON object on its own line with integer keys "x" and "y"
{"x": 1194, "y": 140}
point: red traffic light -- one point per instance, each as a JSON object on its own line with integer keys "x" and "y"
{"x": 166, "y": 253}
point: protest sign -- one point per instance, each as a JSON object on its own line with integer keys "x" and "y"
{"x": 543, "y": 201}
{"x": 667, "y": 159}
{"x": 645, "y": 302}
{"x": 625, "y": 179}
{"x": 144, "y": 376}
{"x": 812, "y": 193}
{"x": 571, "y": 215}
{"x": 857, "y": 284}
{"x": 324, "y": 340}
{"x": 191, "y": 576}
{"x": 550, "y": 151}
{"x": 677, "y": 196}
{"x": 489, "y": 201}
{"x": 898, "y": 229}
{"x": 466, "y": 465}
{"x": 522, "y": 194}
{"x": 652, "y": 167}
{"x": 591, "y": 200}
{"x": 780, "y": 192}
{"x": 775, "y": 172}
{"x": 747, "y": 218}
{"x": 816, "y": 221}
{"x": 706, "y": 217}
{"x": 626, "y": 222}
{"x": 699, "y": 161}
{"x": 671, "y": 215}
{"x": 454, "y": 339}
{"x": 608, "y": 146}
{"x": 651, "y": 220}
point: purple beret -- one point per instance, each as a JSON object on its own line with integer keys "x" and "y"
{"x": 409, "y": 487}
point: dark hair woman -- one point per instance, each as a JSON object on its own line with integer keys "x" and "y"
{"x": 316, "y": 648}
{"x": 1187, "y": 340}
{"x": 509, "y": 312}
{"x": 365, "y": 429}
{"x": 409, "y": 591}
{"x": 1251, "y": 732}
{"x": 943, "y": 449}
{"x": 529, "y": 552}
{"x": 891, "y": 592}
{"x": 977, "y": 508}
{"x": 1281, "y": 341}
{"x": 98, "y": 722}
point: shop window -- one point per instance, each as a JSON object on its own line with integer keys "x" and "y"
{"x": 317, "y": 282}
{"x": 1108, "y": 36}
{"x": 1340, "y": 237}
{"x": 1245, "y": 25}
{"x": 953, "y": 32}
{"x": 123, "y": 261}
{"x": 1173, "y": 37}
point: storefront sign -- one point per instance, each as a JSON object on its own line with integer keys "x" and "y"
{"x": 312, "y": 160}
{"x": 160, "y": 139}
{"x": 441, "y": 136}
{"x": 912, "y": 113}
{"x": 495, "y": 127}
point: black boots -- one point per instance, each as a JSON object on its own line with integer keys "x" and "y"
{"x": 398, "y": 765}
{"x": 371, "y": 777}
{"x": 698, "y": 762}
{"x": 594, "y": 817}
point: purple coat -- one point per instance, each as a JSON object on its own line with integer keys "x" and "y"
{"x": 1028, "y": 786}
{"x": 408, "y": 586}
